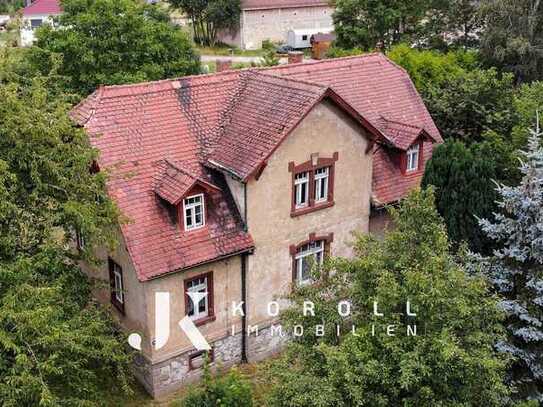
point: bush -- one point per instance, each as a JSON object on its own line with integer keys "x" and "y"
{"x": 230, "y": 390}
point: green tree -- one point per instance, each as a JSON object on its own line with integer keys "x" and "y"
{"x": 460, "y": 175}
{"x": 114, "y": 42}
{"x": 57, "y": 346}
{"x": 451, "y": 360}
{"x": 464, "y": 100}
{"x": 369, "y": 24}
{"x": 513, "y": 36}
{"x": 527, "y": 103}
{"x": 10, "y": 6}
{"x": 209, "y": 17}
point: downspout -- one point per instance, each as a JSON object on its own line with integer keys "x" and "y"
{"x": 244, "y": 285}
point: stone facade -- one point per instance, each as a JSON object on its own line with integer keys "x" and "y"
{"x": 257, "y": 26}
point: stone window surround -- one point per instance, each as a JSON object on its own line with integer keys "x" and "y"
{"x": 314, "y": 163}
{"x": 117, "y": 304}
{"x": 313, "y": 237}
{"x": 210, "y": 299}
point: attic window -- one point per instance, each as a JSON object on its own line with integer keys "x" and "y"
{"x": 193, "y": 210}
{"x": 413, "y": 154}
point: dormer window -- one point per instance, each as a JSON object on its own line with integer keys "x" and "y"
{"x": 193, "y": 210}
{"x": 413, "y": 154}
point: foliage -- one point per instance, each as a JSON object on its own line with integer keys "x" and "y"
{"x": 451, "y": 360}
{"x": 270, "y": 58}
{"x": 208, "y": 17}
{"x": 336, "y": 52}
{"x": 516, "y": 270}
{"x": 528, "y": 101}
{"x": 460, "y": 175}
{"x": 230, "y": 390}
{"x": 464, "y": 100}
{"x": 513, "y": 36}
{"x": 57, "y": 347}
{"x": 370, "y": 24}
{"x": 114, "y": 42}
{"x": 10, "y": 6}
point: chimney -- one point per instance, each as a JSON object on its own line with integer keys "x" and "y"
{"x": 223, "y": 65}
{"x": 295, "y": 57}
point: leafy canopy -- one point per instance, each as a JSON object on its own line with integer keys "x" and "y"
{"x": 57, "y": 347}
{"x": 451, "y": 360}
{"x": 105, "y": 42}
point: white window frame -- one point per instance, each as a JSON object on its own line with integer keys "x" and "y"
{"x": 309, "y": 249}
{"x": 298, "y": 182}
{"x": 118, "y": 283}
{"x": 197, "y": 314}
{"x": 322, "y": 180}
{"x": 412, "y": 159}
{"x": 192, "y": 208}
{"x": 32, "y": 27}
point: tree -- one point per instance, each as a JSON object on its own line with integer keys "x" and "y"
{"x": 464, "y": 100}
{"x": 528, "y": 101}
{"x": 10, "y": 6}
{"x": 106, "y": 42}
{"x": 57, "y": 346}
{"x": 513, "y": 36}
{"x": 516, "y": 270}
{"x": 460, "y": 175}
{"x": 370, "y": 24}
{"x": 209, "y": 17}
{"x": 451, "y": 360}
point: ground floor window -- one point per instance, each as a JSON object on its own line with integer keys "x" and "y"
{"x": 307, "y": 256}
{"x": 117, "y": 285}
{"x": 199, "y": 298}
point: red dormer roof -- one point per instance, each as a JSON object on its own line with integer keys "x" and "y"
{"x": 43, "y": 7}
{"x": 233, "y": 121}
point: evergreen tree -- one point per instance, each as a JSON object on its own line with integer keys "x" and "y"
{"x": 516, "y": 269}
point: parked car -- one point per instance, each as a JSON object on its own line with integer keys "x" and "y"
{"x": 284, "y": 49}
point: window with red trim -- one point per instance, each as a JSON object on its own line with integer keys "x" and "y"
{"x": 117, "y": 285}
{"x": 312, "y": 184}
{"x": 199, "y": 298}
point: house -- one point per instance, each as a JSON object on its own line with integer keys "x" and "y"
{"x": 35, "y": 14}
{"x": 234, "y": 184}
{"x": 270, "y": 20}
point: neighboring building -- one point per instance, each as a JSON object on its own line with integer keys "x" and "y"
{"x": 34, "y": 15}
{"x": 234, "y": 182}
{"x": 271, "y": 20}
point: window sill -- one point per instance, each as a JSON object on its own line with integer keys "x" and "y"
{"x": 309, "y": 209}
{"x": 204, "y": 320}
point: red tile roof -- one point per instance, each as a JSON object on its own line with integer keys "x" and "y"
{"x": 172, "y": 182}
{"x": 377, "y": 88}
{"x": 43, "y": 7}
{"x": 273, "y": 4}
{"x": 233, "y": 120}
{"x": 401, "y": 135}
{"x": 260, "y": 115}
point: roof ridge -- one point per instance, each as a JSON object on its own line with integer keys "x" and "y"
{"x": 288, "y": 79}
{"x": 330, "y": 60}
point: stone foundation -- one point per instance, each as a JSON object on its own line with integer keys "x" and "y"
{"x": 168, "y": 376}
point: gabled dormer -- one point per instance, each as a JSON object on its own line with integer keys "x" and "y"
{"x": 185, "y": 191}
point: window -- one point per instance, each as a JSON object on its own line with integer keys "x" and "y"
{"x": 413, "y": 158}
{"x": 200, "y": 307}
{"x": 80, "y": 240}
{"x": 304, "y": 37}
{"x": 193, "y": 208}
{"x": 306, "y": 256}
{"x": 301, "y": 185}
{"x": 35, "y": 23}
{"x": 312, "y": 184}
{"x": 321, "y": 184}
{"x": 117, "y": 285}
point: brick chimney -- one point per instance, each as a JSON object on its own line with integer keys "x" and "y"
{"x": 295, "y": 57}
{"x": 223, "y": 65}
